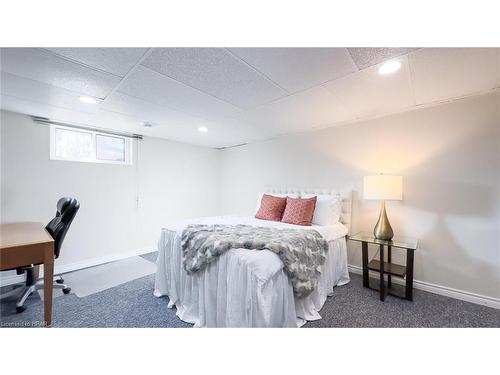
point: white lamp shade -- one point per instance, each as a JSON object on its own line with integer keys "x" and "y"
{"x": 382, "y": 187}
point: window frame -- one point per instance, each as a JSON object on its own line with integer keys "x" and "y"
{"x": 127, "y": 143}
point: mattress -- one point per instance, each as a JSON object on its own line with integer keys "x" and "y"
{"x": 245, "y": 288}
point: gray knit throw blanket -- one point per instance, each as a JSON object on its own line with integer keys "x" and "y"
{"x": 302, "y": 252}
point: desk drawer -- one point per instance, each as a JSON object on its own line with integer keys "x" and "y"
{"x": 14, "y": 257}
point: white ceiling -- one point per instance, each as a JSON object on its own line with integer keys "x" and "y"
{"x": 240, "y": 94}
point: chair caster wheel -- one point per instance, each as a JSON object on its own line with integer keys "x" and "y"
{"x": 66, "y": 290}
{"x": 20, "y": 309}
{"x": 60, "y": 281}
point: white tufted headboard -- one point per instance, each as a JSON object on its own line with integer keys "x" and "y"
{"x": 346, "y": 195}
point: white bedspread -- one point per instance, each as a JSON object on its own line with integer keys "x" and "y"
{"x": 245, "y": 288}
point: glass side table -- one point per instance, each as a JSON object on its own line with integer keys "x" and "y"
{"x": 388, "y": 268}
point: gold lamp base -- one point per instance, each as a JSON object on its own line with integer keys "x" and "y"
{"x": 383, "y": 229}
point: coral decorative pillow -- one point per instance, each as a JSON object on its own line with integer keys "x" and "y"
{"x": 299, "y": 211}
{"x": 271, "y": 208}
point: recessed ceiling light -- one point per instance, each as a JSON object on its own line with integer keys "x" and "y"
{"x": 203, "y": 129}
{"x": 389, "y": 67}
{"x": 88, "y": 99}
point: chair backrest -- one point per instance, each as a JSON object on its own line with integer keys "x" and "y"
{"x": 58, "y": 226}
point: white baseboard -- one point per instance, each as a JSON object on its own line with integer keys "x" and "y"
{"x": 65, "y": 268}
{"x": 444, "y": 291}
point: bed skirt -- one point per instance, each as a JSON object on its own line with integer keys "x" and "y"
{"x": 243, "y": 288}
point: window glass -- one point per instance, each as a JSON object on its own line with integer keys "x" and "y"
{"x": 110, "y": 148}
{"x": 73, "y": 144}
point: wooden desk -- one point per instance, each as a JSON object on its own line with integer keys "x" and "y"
{"x": 22, "y": 244}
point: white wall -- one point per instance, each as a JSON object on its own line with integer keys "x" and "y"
{"x": 449, "y": 156}
{"x": 122, "y": 207}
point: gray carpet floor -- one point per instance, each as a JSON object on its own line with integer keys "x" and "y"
{"x": 133, "y": 305}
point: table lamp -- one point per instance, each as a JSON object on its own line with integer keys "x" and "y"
{"x": 382, "y": 187}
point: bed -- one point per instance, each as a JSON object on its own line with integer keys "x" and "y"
{"x": 248, "y": 288}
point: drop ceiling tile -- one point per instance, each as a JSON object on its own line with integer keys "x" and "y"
{"x": 216, "y": 72}
{"x": 45, "y": 67}
{"x": 100, "y": 119}
{"x": 28, "y": 89}
{"x": 299, "y": 112}
{"x": 223, "y": 133}
{"x": 117, "y": 61}
{"x": 23, "y": 106}
{"x": 367, "y": 93}
{"x": 245, "y": 133}
{"x": 219, "y": 135}
{"x": 146, "y": 112}
{"x": 166, "y": 131}
{"x": 145, "y": 84}
{"x": 115, "y": 122}
{"x": 297, "y": 69}
{"x": 26, "y": 107}
{"x": 365, "y": 57}
{"x": 444, "y": 73}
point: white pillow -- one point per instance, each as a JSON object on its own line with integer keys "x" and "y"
{"x": 328, "y": 208}
{"x": 259, "y": 198}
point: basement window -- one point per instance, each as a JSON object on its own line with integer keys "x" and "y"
{"x": 74, "y": 144}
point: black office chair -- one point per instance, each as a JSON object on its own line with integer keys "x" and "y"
{"x": 57, "y": 227}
